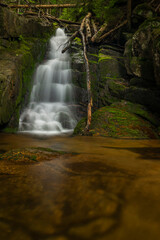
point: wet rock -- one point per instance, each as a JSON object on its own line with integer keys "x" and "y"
{"x": 23, "y": 42}
{"x": 143, "y": 96}
{"x": 12, "y": 25}
{"x": 142, "y": 12}
{"x": 142, "y": 53}
{"x": 139, "y": 82}
{"x": 120, "y": 122}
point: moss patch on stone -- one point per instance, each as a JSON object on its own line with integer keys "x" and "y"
{"x": 118, "y": 123}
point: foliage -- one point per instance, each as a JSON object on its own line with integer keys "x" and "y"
{"x": 102, "y": 10}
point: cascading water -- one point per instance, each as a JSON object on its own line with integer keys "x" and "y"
{"x": 49, "y": 110}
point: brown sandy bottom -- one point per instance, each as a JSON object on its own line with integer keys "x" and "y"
{"x": 63, "y": 188}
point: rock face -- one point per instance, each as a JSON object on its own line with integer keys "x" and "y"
{"x": 20, "y": 48}
{"x": 12, "y": 25}
{"x": 107, "y": 70}
{"x": 131, "y": 74}
{"x": 142, "y": 52}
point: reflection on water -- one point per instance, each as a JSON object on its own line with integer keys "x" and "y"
{"x": 109, "y": 190}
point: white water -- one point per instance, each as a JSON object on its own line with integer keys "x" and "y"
{"x": 49, "y": 111}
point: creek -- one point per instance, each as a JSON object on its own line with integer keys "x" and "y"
{"x": 104, "y": 189}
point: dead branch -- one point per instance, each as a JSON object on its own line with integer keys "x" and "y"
{"x": 111, "y": 31}
{"x": 98, "y": 34}
{"x": 60, "y": 20}
{"x": 88, "y": 29}
{"x": 47, "y": 6}
{"x": 158, "y": 7}
{"x": 69, "y": 42}
{"x": 94, "y": 26}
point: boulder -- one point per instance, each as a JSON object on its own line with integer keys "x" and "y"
{"x": 120, "y": 121}
{"x": 14, "y": 26}
{"x": 142, "y": 52}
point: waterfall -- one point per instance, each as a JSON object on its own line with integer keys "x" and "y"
{"x": 50, "y": 108}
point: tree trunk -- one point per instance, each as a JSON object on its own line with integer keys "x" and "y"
{"x": 88, "y": 78}
{"x": 94, "y": 27}
{"x": 97, "y": 35}
{"x": 88, "y": 29}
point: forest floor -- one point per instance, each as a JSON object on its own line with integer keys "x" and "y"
{"x": 62, "y": 188}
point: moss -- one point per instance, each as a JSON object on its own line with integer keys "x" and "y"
{"x": 139, "y": 110}
{"x": 29, "y": 52}
{"x": 78, "y": 41}
{"x": 103, "y": 57}
{"x": 117, "y": 123}
{"x": 10, "y": 130}
{"x": 91, "y": 61}
{"x": 79, "y": 130}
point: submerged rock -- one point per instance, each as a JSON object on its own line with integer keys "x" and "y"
{"x": 121, "y": 120}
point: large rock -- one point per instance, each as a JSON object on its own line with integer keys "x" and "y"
{"x": 122, "y": 120}
{"x": 142, "y": 52}
{"x": 14, "y": 26}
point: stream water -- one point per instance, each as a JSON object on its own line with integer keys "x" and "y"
{"x": 50, "y": 108}
{"x": 108, "y": 189}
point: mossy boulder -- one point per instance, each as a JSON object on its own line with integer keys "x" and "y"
{"x": 142, "y": 52}
{"x": 118, "y": 122}
{"x": 139, "y": 110}
{"x": 144, "y": 10}
{"x": 13, "y": 26}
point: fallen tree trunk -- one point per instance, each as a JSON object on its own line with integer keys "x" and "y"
{"x": 60, "y": 20}
{"x": 47, "y": 6}
{"x": 94, "y": 26}
{"x": 98, "y": 34}
{"x": 88, "y": 29}
{"x": 111, "y": 31}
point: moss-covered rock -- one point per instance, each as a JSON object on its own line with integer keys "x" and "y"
{"x": 23, "y": 45}
{"x": 14, "y": 26}
{"x": 142, "y": 52}
{"x": 17, "y": 67}
{"x": 118, "y": 122}
{"x": 139, "y": 110}
{"x": 144, "y": 11}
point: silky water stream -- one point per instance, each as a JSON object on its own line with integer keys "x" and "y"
{"x": 50, "y": 108}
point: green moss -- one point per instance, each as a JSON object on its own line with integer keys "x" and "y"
{"x": 117, "y": 123}
{"x": 78, "y": 41}
{"x": 91, "y": 61}
{"x": 79, "y": 130}
{"x": 10, "y": 130}
{"x": 103, "y": 57}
